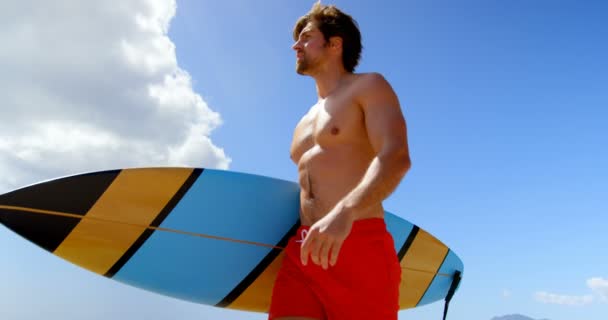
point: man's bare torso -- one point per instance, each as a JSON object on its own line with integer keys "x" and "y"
{"x": 332, "y": 151}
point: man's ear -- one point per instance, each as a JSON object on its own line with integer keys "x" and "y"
{"x": 335, "y": 43}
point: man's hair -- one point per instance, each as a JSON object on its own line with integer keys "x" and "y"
{"x": 334, "y": 23}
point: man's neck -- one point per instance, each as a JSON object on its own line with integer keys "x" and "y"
{"x": 328, "y": 80}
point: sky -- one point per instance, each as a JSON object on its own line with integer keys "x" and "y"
{"x": 505, "y": 103}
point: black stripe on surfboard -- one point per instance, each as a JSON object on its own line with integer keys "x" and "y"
{"x": 155, "y": 223}
{"x": 435, "y": 276}
{"x": 47, "y": 232}
{"x": 408, "y": 242}
{"x": 76, "y": 194}
{"x": 257, "y": 271}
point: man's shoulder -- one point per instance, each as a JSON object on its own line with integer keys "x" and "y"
{"x": 369, "y": 76}
{"x": 370, "y": 85}
{"x": 370, "y": 80}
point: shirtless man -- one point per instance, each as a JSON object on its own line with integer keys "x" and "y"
{"x": 351, "y": 151}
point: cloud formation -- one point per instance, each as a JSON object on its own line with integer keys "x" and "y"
{"x": 599, "y": 286}
{"x": 93, "y": 85}
{"x": 567, "y": 300}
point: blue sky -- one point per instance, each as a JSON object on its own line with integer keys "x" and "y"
{"x": 505, "y": 103}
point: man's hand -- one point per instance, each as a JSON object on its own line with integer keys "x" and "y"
{"x": 326, "y": 237}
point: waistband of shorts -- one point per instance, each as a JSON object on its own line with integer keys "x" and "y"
{"x": 362, "y": 226}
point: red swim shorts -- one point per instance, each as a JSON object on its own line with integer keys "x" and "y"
{"x": 364, "y": 283}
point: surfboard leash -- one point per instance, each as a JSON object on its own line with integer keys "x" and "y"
{"x": 451, "y": 291}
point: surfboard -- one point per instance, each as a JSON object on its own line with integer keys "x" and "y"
{"x": 214, "y": 237}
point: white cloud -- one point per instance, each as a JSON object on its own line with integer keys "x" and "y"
{"x": 506, "y": 293}
{"x": 599, "y": 287}
{"x": 553, "y": 298}
{"x": 92, "y": 85}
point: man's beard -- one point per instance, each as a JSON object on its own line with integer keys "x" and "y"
{"x": 301, "y": 66}
{"x": 304, "y": 65}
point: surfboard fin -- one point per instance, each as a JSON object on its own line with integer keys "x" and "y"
{"x": 453, "y": 287}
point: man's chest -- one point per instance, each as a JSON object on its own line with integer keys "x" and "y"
{"x": 333, "y": 121}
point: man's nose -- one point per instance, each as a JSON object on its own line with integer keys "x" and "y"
{"x": 296, "y": 46}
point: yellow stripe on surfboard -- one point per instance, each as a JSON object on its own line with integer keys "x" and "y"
{"x": 257, "y": 296}
{"x": 96, "y": 244}
{"x": 425, "y": 254}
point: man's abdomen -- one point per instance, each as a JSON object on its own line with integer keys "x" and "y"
{"x": 327, "y": 176}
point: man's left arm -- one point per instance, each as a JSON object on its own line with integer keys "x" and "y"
{"x": 387, "y": 133}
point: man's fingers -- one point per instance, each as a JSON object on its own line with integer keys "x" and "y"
{"x": 315, "y": 249}
{"x": 322, "y": 250}
{"x": 335, "y": 251}
{"x": 324, "y": 254}
{"x": 309, "y": 246}
{"x": 305, "y": 249}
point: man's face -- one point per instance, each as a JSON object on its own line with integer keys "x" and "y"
{"x": 310, "y": 49}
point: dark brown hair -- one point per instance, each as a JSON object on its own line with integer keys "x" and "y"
{"x": 334, "y": 23}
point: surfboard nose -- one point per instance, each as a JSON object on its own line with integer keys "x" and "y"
{"x": 97, "y": 220}
{"x": 46, "y": 213}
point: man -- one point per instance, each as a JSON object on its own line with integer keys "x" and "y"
{"x": 351, "y": 151}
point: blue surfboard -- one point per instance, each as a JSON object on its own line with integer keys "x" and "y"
{"x": 209, "y": 236}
